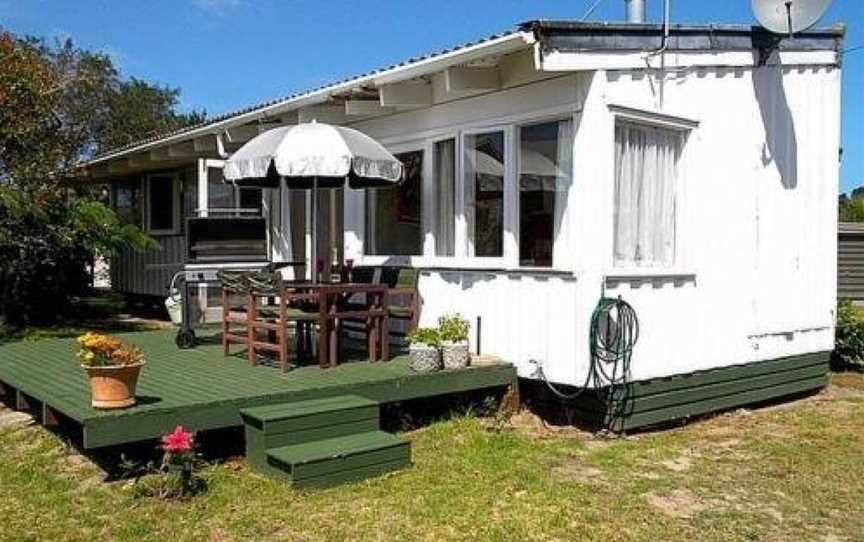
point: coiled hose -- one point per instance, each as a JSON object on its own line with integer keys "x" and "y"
{"x": 613, "y": 335}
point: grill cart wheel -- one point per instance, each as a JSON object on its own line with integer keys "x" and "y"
{"x": 185, "y": 339}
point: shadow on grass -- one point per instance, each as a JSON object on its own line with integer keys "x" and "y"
{"x": 103, "y": 311}
{"x": 410, "y": 415}
{"x": 128, "y": 461}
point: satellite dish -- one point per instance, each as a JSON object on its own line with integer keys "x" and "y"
{"x": 789, "y": 16}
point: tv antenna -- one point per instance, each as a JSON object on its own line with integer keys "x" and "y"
{"x": 789, "y": 16}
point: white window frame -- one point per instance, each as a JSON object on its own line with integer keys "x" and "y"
{"x": 425, "y": 178}
{"x": 509, "y": 262}
{"x": 430, "y": 185}
{"x": 510, "y": 244}
{"x": 178, "y": 202}
{"x": 517, "y": 162}
{"x": 667, "y": 121}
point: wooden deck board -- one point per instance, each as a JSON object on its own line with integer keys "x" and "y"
{"x": 202, "y": 389}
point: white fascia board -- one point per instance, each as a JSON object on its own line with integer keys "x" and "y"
{"x": 501, "y": 45}
{"x": 556, "y": 61}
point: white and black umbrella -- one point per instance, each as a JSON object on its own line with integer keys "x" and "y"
{"x": 311, "y": 156}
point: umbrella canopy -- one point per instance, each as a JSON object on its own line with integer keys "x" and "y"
{"x": 313, "y": 154}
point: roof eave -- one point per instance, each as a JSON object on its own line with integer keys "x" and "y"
{"x": 504, "y": 44}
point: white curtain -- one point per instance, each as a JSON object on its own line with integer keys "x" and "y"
{"x": 445, "y": 218}
{"x": 561, "y": 251}
{"x": 286, "y": 212}
{"x": 646, "y": 170}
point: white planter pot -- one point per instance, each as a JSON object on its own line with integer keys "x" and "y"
{"x": 424, "y": 358}
{"x": 455, "y": 355}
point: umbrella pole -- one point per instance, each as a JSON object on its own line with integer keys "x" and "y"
{"x": 314, "y": 262}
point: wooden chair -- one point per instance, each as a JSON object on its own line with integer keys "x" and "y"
{"x": 405, "y": 301}
{"x": 268, "y": 328}
{"x": 235, "y": 315}
{"x": 404, "y": 288}
{"x": 363, "y": 275}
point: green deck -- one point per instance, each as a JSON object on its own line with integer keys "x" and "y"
{"x": 202, "y": 390}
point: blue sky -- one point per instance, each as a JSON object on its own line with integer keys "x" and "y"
{"x": 227, "y": 54}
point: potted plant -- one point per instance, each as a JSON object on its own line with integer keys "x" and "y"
{"x": 453, "y": 330}
{"x": 112, "y": 367}
{"x": 423, "y": 349}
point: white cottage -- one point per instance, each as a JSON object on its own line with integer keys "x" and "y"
{"x": 692, "y": 171}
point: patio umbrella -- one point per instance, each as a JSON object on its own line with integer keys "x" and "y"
{"x": 311, "y": 156}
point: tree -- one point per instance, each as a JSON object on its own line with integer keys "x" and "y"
{"x": 852, "y": 209}
{"x": 60, "y": 105}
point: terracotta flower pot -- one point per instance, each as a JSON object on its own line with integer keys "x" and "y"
{"x": 113, "y": 387}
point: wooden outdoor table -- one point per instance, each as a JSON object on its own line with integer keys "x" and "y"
{"x": 332, "y": 298}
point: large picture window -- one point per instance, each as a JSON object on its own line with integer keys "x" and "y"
{"x": 545, "y": 169}
{"x": 393, "y": 218}
{"x": 163, "y": 204}
{"x": 646, "y": 178}
{"x": 484, "y": 193}
{"x": 445, "y": 198}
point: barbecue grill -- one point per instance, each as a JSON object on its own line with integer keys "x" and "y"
{"x": 214, "y": 243}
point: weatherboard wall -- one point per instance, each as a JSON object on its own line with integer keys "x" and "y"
{"x": 756, "y": 244}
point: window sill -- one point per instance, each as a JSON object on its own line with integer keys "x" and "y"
{"x": 162, "y": 233}
{"x": 451, "y": 264}
{"x": 641, "y": 275}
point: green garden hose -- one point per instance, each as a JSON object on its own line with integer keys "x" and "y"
{"x": 613, "y": 335}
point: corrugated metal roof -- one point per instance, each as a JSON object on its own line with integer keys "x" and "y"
{"x": 286, "y": 99}
{"x": 850, "y": 227}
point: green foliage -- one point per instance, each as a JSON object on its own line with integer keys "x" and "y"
{"x": 851, "y": 209}
{"x": 425, "y": 335}
{"x": 59, "y": 105}
{"x": 138, "y": 109}
{"x": 849, "y": 339}
{"x": 45, "y": 245}
{"x": 41, "y": 264}
{"x": 99, "y": 229}
{"x": 453, "y": 328}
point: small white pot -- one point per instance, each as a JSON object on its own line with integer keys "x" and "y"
{"x": 455, "y": 355}
{"x": 424, "y": 358}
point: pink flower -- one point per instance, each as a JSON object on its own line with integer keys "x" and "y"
{"x": 178, "y": 442}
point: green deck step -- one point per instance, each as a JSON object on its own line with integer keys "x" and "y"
{"x": 299, "y": 416}
{"x": 338, "y": 440}
{"x": 341, "y": 459}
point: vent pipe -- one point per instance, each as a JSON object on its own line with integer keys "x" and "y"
{"x": 635, "y": 11}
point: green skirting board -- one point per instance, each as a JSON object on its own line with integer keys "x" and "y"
{"x": 651, "y": 402}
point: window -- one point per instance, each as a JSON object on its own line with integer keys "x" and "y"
{"x": 445, "y": 198}
{"x": 545, "y": 169}
{"x": 225, "y": 197}
{"x": 484, "y": 193}
{"x": 126, "y": 198}
{"x": 393, "y": 222}
{"x": 163, "y": 204}
{"x": 646, "y": 173}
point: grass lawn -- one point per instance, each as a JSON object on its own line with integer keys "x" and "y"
{"x": 791, "y": 472}
{"x": 104, "y": 311}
